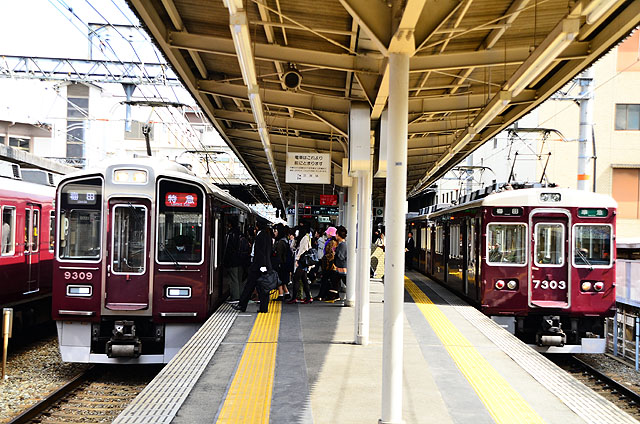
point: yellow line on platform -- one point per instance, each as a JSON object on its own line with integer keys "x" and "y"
{"x": 503, "y": 402}
{"x": 249, "y": 397}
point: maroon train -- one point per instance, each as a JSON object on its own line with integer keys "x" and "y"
{"x": 539, "y": 261}
{"x": 138, "y": 260}
{"x": 26, "y": 250}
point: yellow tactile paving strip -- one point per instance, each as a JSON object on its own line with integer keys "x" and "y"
{"x": 249, "y": 397}
{"x": 503, "y": 403}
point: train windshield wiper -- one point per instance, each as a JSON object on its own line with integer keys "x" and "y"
{"x": 165, "y": 250}
{"x": 584, "y": 258}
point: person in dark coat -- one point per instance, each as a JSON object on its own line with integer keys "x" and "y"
{"x": 409, "y": 251}
{"x": 260, "y": 263}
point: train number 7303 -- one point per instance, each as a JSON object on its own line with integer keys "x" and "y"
{"x": 552, "y": 285}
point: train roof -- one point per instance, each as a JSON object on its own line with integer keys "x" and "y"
{"x": 532, "y": 197}
{"x": 161, "y": 167}
{"x": 11, "y": 187}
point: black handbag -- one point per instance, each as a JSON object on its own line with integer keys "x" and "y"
{"x": 309, "y": 258}
{"x": 269, "y": 280}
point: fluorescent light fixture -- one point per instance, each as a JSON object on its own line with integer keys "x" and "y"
{"x": 555, "y": 43}
{"x": 600, "y": 8}
{"x": 493, "y": 109}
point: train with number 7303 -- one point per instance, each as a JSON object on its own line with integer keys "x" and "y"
{"x": 539, "y": 260}
{"x": 138, "y": 260}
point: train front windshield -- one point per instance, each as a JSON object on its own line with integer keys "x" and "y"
{"x": 80, "y": 220}
{"x": 180, "y": 222}
{"x": 592, "y": 245}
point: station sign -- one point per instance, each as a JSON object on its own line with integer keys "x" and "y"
{"x": 291, "y": 210}
{"x": 378, "y": 212}
{"x": 308, "y": 168}
{"x": 329, "y": 199}
{"x": 324, "y": 219}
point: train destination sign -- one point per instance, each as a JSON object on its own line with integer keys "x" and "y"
{"x": 81, "y": 197}
{"x": 592, "y": 212}
{"x": 181, "y": 200}
{"x": 308, "y": 168}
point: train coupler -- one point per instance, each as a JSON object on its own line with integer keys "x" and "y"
{"x": 551, "y": 333}
{"x": 124, "y": 343}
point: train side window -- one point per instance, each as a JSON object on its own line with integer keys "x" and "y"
{"x": 27, "y": 225}
{"x": 506, "y": 244}
{"x": 549, "y": 244}
{"x": 8, "y": 230}
{"x": 35, "y": 231}
{"x": 439, "y": 239}
{"x": 52, "y": 230}
{"x": 592, "y": 245}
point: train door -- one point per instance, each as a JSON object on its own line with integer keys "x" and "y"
{"x": 549, "y": 277}
{"x": 127, "y": 287}
{"x": 470, "y": 282}
{"x": 32, "y": 246}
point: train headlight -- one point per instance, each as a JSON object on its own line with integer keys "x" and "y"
{"x": 599, "y": 286}
{"x": 550, "y": 197}
{"x": 79, "y": 290}
{"x": 512, "y": 284}
{"x": 500, "y": 284}
{"x": 586, "y": 286}
{"x": 132, "y": 176}
{"x": 178, "y": 292}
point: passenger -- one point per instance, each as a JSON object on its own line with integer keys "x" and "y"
{"x": 340, "y": 276}
{"x": 245, "y": 257}
{"x": 279, "y": 260}
{"x": 303, "y": 240}
{"x": 327, "y": 264}
{"x": 6, "y": 237}
{"x": 380, "y": 242}
{"x": 409, "y": 251}
{"x": 232, "y": 261}
{"x": 260, "y": 263}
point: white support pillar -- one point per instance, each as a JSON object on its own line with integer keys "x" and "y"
{"x": 352, "y": 217}
{"x": 295, "y": 215}
{"x": 395, "y": 212}
{"x": 363, "y": 255}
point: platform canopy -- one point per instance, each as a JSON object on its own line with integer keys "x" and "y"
{"x": 278, "y": 76}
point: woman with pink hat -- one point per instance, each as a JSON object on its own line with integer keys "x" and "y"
{"x": 327, "y": 265}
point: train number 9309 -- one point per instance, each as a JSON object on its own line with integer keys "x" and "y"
{"x": 549, "y": 285}
{"x": 68, "y": 275}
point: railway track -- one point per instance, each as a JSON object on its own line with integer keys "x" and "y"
{"x": 611, "y": 389}
{"x": 96, "y": 395}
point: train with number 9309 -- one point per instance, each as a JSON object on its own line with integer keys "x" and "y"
{"x": 138, "y": 260}
{"x": 539, "y": 260}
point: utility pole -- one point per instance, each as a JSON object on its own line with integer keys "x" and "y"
{"x": 586, "y": 128}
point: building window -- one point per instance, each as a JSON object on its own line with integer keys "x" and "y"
{"x": 627, "y": 117}
{"x": 77, "y": 114}
{"x": 21, "y": 143}
{"x": 626, "y": 191}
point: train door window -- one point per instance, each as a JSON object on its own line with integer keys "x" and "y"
{"x": 429, "y": 239}
{"x": 549, "y": 244}
{"x": 423, "y": 238}
{"x": 8, "y": 230}
{"x": 52, "y": 230}
{"x": 35, "y": 231}
{"x": 129, "y": 239}
{"x": 506, "y": 244}
{"x": 27, "y": 225}
{"x": 180, "y": 235}
{"x": 439, "y": 239}
{"x": 80, "y": 223}
{"x": 471, "y": 240}
{"x": 454, "y": 241}
{"x": 592, "y": 245}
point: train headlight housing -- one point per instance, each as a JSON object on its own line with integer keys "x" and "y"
{"x": 550, "y": 197}
{"x": 598, "y": 286}
{"x": 131, "y": 176}
{"x": 585, "y": 286}
{"x": 75, "y": 290}
{"x": 512, "y": 284}
{"x": 178, "y": 292}
{"x": 500, "y": 284}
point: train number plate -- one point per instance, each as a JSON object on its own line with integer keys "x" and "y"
{"x": 75, "y": 275}
{"x": 549, "y": 285}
